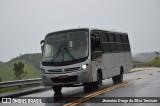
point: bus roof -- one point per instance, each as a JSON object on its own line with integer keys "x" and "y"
{"x": 90, "y": 28}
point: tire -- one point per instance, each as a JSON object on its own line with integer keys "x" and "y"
{"x": 57, "y": 89}
{"x": 98, "y": 83}
{"x": 118, "y": 79}
{"x": 121, "y": 77}
{"x": 87, "y": 87}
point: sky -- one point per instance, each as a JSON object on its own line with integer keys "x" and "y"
{"x": 24, "y": 23}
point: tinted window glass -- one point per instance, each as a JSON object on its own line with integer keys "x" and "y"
{"x": 118, "y": 38}
{"x": 120, "y": 47}
{"x": 106, "y": 47}
{"x": 125, "y": 38}
{"x": 97, "y": 40}
{"x": 113, "y": 47}
{"x": 111, "y": 37}
{"x": 126, "y": 47}
{"x": 104, "y": 37}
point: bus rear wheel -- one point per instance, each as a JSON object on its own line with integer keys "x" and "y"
{"x": 57, "y": 89}
{"x": 118, "y": 79}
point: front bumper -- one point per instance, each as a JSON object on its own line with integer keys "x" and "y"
{"x": 82, "y": 76}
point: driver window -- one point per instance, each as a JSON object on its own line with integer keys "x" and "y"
{"x": 96, "y": 37}
{"x": 48, "y": 51}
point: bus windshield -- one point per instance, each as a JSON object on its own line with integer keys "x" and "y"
{"x": 65, "y": 46}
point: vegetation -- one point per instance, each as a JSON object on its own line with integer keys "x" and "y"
{"x": 3, "y": 90}
{"x": 157, "y": 53}
{"x": 22, "y": 67}
{"x": 33, "y": 59}
{"x": 19, "y": 72}
{"x": 156, "y": 61}
{"x": 8, "y": 89}
{"x": 1, "y": 62}
{"x": 7, "y": 73}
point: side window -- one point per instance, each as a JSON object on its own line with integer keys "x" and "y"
{"x": 118, "y": 38}
{"x": 119, "y": 42}
{"x": 97, "y": 40}
{"x": 112, "y": 42}
{"x": 95, "y": 45}
{"x": 105, "y": 42}
{"x": 126, "y": 44}
{"x": 125, "y": 38}
{"x": 111, "y": 37}
{"x": 104, "y": 37}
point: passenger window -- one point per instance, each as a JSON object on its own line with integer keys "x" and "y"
{"x": 112, "y": 41}
{"x": 125, "y": 38}
{"x": 105, "y": 42}
{"x": 111, "y": 37}
{"x": 104, "y": 37}
{"x": 127, "y": 47}
{"x": 118, "y": 38}
{"x": 120, "y": 47}
{"x": 97, "y": 40}
{"x": 119, "y": 42}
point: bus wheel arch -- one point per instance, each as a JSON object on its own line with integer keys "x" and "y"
{"x": 99, "y": 77}
{"x": 121, "y": 70}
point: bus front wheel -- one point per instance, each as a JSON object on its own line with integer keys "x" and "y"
{"x": 57, "y": 89}
{"x": 98, "y": 83}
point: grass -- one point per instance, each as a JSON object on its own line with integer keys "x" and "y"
{"x": 8, "y": 89}
{"x": 155, "y": 61}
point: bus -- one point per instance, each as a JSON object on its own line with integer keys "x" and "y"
{"x": 84, "y": 57}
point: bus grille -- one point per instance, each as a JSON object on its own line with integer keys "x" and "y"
{"x": 56, "y": 70}
{"x": 72, "y": 69}
{"x": 65, "y": 80}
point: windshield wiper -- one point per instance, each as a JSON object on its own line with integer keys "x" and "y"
{"x": 64, "y": 48}
{"x": 69, "y": 53}
{"x": 53, "y": 58}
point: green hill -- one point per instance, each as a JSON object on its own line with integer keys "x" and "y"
{"x": 1, "y": 62}
{"x": 155, "y": 62}
{"x": 33, "y": 58}
{"x": 31, "y": 65}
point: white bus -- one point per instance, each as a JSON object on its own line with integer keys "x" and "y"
{"x": 84, "y": 57}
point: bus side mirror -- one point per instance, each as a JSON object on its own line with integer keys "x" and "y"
{"x": 41, "y": 43}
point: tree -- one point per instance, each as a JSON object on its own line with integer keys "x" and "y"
{"x": 19, "y": 72}
{"x": 0, "y": 78}
{"x": 157, "y": 54}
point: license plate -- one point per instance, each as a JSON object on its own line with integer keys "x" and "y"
{"x": 63, "y": 77}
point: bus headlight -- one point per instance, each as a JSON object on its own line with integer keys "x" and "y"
{"x": 84, "y": 66}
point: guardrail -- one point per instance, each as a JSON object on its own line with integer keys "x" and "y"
{"x": 137, "y": 65}
{"x": 20, "y": 82}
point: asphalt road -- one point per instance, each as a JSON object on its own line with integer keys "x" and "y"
{"x": 143, "y": 84}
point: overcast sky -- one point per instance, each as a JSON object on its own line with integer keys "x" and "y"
{"x": 24, "y": 23}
